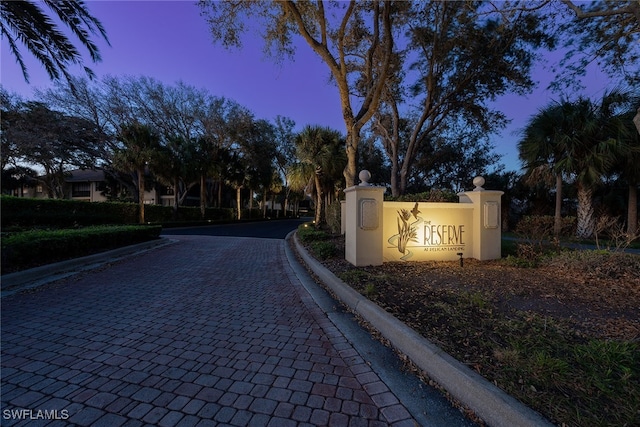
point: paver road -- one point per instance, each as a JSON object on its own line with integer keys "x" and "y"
{"x": 205, "y": 331}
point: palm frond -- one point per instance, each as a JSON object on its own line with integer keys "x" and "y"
{"x": 25, "y": 21}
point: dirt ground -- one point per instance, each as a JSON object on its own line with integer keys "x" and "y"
{"x": 523, "y": 325}
{"x": 599, "y": 296}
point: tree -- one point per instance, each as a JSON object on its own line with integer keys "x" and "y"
{"x": 542, "y": 148}
{"x": 35, "y": 135}
{"x": 373, "y": 158}
{"x": 605, "y": 32}
{"x": 195, "y": 128}
{"x": 15, "y": 175}
{"x": 581, "y": 140}
{"x": 591, "y": 153}
{"x": 175, "y": 162}
{"x": 15, "y": 178}
{"x": 82, "y": 98}
{"x": 257, "y": 148}
{"x": 10, "y": 103}
{"x": 285, "y": 152}
{"x": 25, "y": 22}
{"x": 450, "y": 163}
{"x": 138, "y": 153}
{"x": 317, "y": 149}
{"x": 627, "y": 164}
{"x": 355, "y": 41}
{"x": 458, "y": 58}
{"x": 224, "y": 125}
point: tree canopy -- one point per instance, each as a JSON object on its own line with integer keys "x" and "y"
{"x": 355, "y": 40}
{"x": 33, "y": 134}
{"x": 582, "y": 140}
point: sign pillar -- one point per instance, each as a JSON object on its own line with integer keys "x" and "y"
{"x": 363, "y": 223}
{"x": 487, "y": 231}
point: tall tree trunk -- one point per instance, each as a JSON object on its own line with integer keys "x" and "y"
{"x": 203, "y": 196}
{"x": 632, "y": 210}
{"x": 238, "y": 202}
{"x": 586, "y": 218}
{"x": 285, "y": 204}
{"x": 395, "y": 190}
{"x": 140, "y": 173}
{"x": 403, "y": 180}
{"x": 264, "y": 203}
{"x": 351, "y": 169}
{"x": 557, "y": 223}
{"x": 176, "y": 198}
{"x": 318, "y": 200}
{"x": 273, "y": 205}
{"x": 381, "y": 46}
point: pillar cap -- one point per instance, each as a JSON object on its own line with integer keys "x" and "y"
{"x": 478, "y": 181}
{"x": 364, "y": 176}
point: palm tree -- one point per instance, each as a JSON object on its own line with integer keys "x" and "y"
{"x": 590, "y": 150}
{"x": 541, "y": 150}
{"x": 627, "y": 164}
{"x": 25, "y": 22}
{"x": 578, "y": 139}
{"x": 141, "y": 145}
{"x": 322, "y": 161}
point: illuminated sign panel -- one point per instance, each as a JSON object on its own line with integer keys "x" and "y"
{"x": 427, "y": 231}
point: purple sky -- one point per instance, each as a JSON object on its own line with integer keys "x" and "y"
{"x": 170, "y": 41}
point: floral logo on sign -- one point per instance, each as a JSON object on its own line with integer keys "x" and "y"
{"x": 406, "y": 231}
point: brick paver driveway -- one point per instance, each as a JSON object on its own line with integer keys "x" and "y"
{"x": 206, "y": 331}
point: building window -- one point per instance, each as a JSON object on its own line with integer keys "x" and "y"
{"x": 80, "y": 189}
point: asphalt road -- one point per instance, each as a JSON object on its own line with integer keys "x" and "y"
{"x": 275, "y": 229}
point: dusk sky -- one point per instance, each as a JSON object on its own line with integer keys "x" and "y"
{"x": 169, "y": 41}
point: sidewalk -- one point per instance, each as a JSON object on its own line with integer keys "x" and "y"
{"x": 205, "y": 331}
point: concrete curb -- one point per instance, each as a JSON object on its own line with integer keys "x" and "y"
{"x": 491, "y": 404}
{"x": 34, "y": 277}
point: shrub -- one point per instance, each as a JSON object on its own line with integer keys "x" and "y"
{"x": 597, "y": 263}
{"x": 39, "y": 247}
{"x": 307, "y": 233}
{"x": 539, "y": 229}
{"x": 324, "y": 250}
{"x": 538, "y": 236}
{"x": 509, "y": 247}
{"x": 613, "y": 229}
{"x": 519, "y": 262}
{"x": 20, "y": 213}
{"x": 427, "y": 196}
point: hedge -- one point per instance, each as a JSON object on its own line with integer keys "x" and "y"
{"x": 33, "y": 248}
{"x": 20, "y": 213}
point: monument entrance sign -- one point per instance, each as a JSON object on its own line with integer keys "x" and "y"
{"x": 377, "y": 231}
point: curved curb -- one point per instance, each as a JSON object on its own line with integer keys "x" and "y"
{"x": 491, "y": 404}
{"x": 34, "y": 277}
